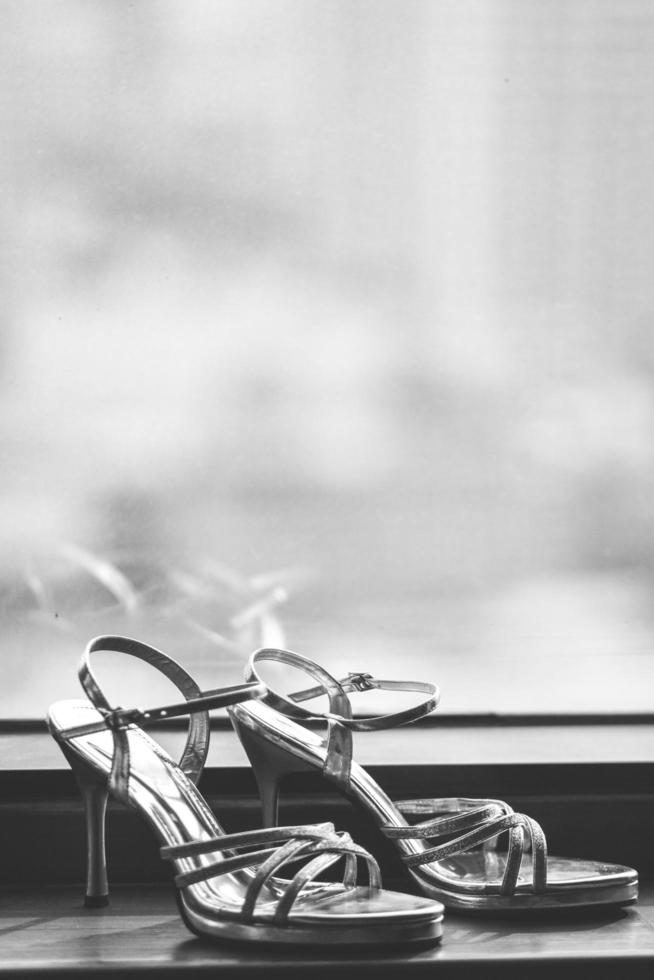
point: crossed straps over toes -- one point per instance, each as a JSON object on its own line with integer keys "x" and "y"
{"x": 319, "y": 844}
{"x": 481, "y": 821}
{"x": 269, "y": 850}
{"x": 460, "y": 823}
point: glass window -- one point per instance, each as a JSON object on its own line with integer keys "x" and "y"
{"x": 341, "y": 308}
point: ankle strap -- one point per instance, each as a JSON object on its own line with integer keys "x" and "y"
{"x": 196, "y": 705}
{"x": 341, "y": 722}
{"x": 337, "y": 691}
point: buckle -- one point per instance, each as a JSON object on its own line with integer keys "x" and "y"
{"x": 117, "y": 719}
{"x": 361, "y": 681}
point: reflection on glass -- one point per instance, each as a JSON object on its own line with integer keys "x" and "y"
{"x": 358, "y": 289}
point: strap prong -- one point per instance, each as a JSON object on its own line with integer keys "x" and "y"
{"x": 360, "y": 681}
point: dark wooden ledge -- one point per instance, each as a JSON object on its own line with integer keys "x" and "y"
{"x": 45, "y": 932}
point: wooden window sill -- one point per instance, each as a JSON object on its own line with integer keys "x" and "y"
{"x": 46, "y": 932}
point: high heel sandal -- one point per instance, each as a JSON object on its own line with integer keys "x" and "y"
{"x": 442, "y": 852}
{"x": 227, "y": 884}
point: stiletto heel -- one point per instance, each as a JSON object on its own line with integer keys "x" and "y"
{"x": 95, "y": 793}
{"x": 452, "y": 851}
{"x": 270, "y": 764}
{"x": 95, "y": 797}
{"x": 227, "y": 884}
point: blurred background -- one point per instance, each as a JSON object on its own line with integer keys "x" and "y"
{"x": 342, "y": 306}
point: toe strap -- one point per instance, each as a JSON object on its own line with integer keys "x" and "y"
{"x": 331, "y": 853}
{"x": 467, "y": 823}
{"x": 319, "y": 846}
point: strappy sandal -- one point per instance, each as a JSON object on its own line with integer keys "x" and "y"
{"x": 227, "y": 884}
{"x": 441, "y": 852}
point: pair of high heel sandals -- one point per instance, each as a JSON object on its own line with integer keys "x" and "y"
{"x": 264, "y": 885}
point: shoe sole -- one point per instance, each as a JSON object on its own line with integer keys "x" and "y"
{"x": 299, "y": 934}
{"x": 578, "y": 898}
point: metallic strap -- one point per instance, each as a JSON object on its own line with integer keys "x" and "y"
{"x": 339, "y": 718}
{"x": 117, "y": 720}
{"x": 317, "y": 844}
{"x": 247, "y": 838}
{"x": 481, "y": 821}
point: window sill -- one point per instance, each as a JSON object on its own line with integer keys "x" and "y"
{"x": 141, "y": 935}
